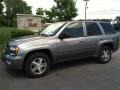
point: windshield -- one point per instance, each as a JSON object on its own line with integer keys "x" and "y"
{"x": 52, "y": 29}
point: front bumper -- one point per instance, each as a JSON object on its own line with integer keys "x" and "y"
{"x": 13, "y": 61}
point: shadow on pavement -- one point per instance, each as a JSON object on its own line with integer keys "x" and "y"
{"x": 73, "y": 63}
{"x": 17, "y": 73}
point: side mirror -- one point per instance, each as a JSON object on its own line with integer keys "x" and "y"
{"x": 64, "y": 35}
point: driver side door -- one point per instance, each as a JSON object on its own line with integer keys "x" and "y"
{"x": 73, "y": 46}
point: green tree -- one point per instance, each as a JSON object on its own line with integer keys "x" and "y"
{"x": 117, "y": 18}
{"x": 50, "y": 15}
{"x": 14, "y": 7}
{"x": 2, "y": 19}
{"x": 46, "y": 15}
{"x": 1, "y": 7}
{"x": 64, "y": 10}
{"x": 40, "y": 11}
{"x": 117, "y": 26}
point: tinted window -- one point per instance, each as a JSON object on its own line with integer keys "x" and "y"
{"x": 108, "y": 28}
{"x": 92, "y": 29}
{"x": 74, "y": 30}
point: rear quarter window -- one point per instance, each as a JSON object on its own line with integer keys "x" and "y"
{"x": 108, "y": 28}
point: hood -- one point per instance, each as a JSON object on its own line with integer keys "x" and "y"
{"x": 25, "y": 39}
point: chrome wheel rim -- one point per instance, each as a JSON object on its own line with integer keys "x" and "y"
{"x": 106, "y": 54}
{"x": 38, "y": 65}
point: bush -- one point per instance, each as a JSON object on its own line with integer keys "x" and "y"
{"x": 117, "y": 26}
{"x": 5, "y": 34}
{"x": 19, "y": 33}
{"x": 3, "y": 21}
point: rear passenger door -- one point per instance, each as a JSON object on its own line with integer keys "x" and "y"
{"x": 94, "y": 36}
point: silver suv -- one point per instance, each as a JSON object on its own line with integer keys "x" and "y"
{"x": 60, "y": 42}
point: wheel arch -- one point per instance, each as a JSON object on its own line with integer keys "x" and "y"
{"x": 46, "y": 51}
{"x": 110, "y": 45}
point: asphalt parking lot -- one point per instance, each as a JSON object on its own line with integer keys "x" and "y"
{"x": 84, "y": 74}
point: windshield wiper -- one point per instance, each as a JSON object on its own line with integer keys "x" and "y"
{"x": 44, "y": 35}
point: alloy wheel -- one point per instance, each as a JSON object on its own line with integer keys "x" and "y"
{"x": 38, "y": 66}
{"x": 106, "y": 55}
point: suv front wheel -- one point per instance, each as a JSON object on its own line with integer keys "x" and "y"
{"x": 104, "y": 55}
{"x": 37, "y": 65}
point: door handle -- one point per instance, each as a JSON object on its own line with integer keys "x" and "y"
{"x": 101, "y": 39}
{"x": 82, "y": 41}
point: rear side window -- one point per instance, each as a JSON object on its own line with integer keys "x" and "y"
{"x": 74, "y": 30}
{"x": 92, "y": 29}
{"x": 108, "y": 28}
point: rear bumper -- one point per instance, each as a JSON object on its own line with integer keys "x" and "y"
{"x": 13, "y": 61}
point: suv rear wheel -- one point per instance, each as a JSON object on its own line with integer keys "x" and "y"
{"x": 104, "y": 55}
{"x": 37, "y": 65}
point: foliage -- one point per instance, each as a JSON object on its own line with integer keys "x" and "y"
{"x": 117, "y": 18}
{"x": 64, "y": 10}
{"x": 5, "y": 34}
{"x": 2, "y": 20}
{"x": 117, "y": 26}
{"x": 104, "y": 20}
{"x": 14, "y": 7}
{"x": 1, "y": 7}
{"x": 19, "y": 33}
{"x": 40, "y": 11}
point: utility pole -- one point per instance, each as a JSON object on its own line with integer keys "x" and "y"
{"x": 86, "y": 8}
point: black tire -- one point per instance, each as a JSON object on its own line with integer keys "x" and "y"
{"x": 28, "y": 66}
{"x": 101, "y": 59}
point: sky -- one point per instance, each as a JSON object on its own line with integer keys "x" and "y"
{"x": 96, "y": 8}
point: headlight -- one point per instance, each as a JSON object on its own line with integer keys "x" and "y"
{"x": 14, "y": 50}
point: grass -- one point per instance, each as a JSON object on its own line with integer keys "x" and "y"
{"x": 6, "y": 32}
{"x": 4, "y": 36}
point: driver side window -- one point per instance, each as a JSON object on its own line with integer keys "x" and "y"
{"x": 74, "y": 30}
